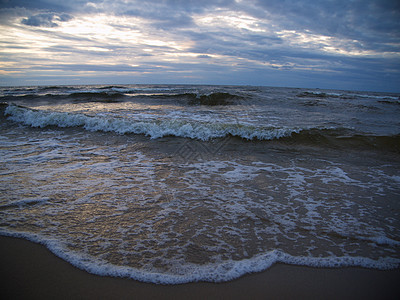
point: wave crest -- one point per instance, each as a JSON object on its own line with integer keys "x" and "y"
{"x": 153, "y": 128}
{"x": 202, "y": 130}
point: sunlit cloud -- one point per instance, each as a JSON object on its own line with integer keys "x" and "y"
{"x": 221, "y": 42}
{"x": 230, "y": 19}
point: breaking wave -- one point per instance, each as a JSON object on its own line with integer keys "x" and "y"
{"x": 153, "y": 128}
{"x": 158, "y": 128}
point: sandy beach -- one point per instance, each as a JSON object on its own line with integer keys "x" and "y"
{"x": 30, "y": 271}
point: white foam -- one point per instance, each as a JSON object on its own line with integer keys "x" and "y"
{"x": 189, "y": 272}
{"x": 336, "y": 174}
{"x": 395, "y": 178}
{"x": 155, "y": 128}
{"x": 383, "y": 240}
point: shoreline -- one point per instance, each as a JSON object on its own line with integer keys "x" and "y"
{"x": 29, "y": 271}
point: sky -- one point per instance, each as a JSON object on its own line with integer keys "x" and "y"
{"x": 337, "y": 44}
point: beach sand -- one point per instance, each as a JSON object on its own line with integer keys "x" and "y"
{"x": 30, "y": 271}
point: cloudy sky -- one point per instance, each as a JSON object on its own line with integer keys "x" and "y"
{"x": 342, "y": 44}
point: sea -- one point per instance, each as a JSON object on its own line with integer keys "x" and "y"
{"x": 173, "y": 184}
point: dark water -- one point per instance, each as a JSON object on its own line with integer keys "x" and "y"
{"x": 172, "y": 184}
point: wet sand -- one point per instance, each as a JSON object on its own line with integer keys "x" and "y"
{"x": 30, "y": 271}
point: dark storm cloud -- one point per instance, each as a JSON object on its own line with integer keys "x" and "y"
{"x": 341, "y": 17}
{"x": 368, "y": 21}
{"x": 50, "y": 5}
{"x": 164, "y": 14}
{"x": 46, "y": 19}
{"x": 371, "y": 22}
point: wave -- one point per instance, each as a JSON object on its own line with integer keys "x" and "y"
{"x": 153, "y": 128}
{"x": 73, "y": 97}
{"x": 113, "y": 94}
{"x": 318, "y": 95}
{"x": 109, "y": 87}
{"x": 214, "y": 272}
{"x": 213, "y": 99}
{"x": 349, "y": 96}
{"x": 23, "y": 202}
{"x": 54, "y": 88}
{"x": 392, "y": 102}
{"x": 158, "y": 128}
{"x": 107, "y": 97}
{"x": 343, "y": 138}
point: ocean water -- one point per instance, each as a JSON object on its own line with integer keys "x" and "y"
{"x": 176, "y": 183}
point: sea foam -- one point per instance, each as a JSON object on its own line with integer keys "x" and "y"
{"x": 155, "y": 128}
{"x": 213, "y": 272}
